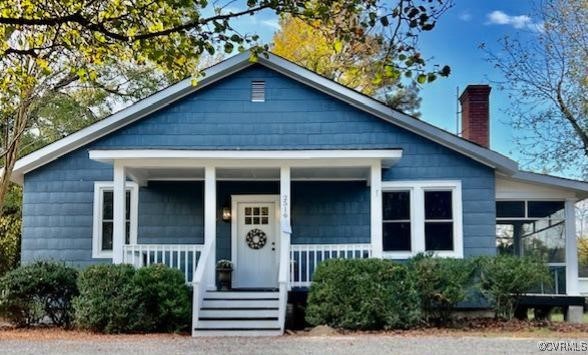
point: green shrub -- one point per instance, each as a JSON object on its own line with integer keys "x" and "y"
{"x": 33, "y": 291}
{"x": 441, "y": 284}
{"x": 363, "y": 294}
{"x": 166, "y": 299}
{"x": 108, "y": 301}
{"x": 504, "y": 278}
{"x": 120, "y": 299}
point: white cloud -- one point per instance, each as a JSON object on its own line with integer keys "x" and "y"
{"x": 465, "y": 16}
{"x": 273, "y": 23}
{"x": 498, "y": 17}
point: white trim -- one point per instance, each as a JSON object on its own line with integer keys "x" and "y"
{"x": 417, "y": 190}
{"x": 237, "y": 63}
{"x": 235, "y": 200}
{"x": 222, "y": 158}
{"x": 210, "y": 221}
{"x": 99, "y": 188}
{"x": 376, "y": 210}
{"x": 572, "y": 281}
{"x": 118, "y": 212}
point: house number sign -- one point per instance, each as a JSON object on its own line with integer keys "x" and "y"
{"x": 286, "y": 228}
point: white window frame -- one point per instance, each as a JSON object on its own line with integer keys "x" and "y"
{"x": 417, "y": 215}
{"x": 99, "y": 188}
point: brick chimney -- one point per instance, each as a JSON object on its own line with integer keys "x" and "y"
{"x": 475, "y": 114}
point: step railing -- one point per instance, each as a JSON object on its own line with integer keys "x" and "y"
{"x": 183, "y": 257}
{"x": 304, "y": 258}
{"x": 201, "y": 280}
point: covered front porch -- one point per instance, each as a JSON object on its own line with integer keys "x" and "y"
{"x": 243, "y": 206}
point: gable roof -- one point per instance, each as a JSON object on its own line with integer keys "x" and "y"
{"x": 234, "y": 64}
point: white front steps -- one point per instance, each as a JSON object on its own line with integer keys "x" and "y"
{"x": 239, "y": 313}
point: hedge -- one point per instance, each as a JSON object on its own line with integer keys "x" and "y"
{"x": 120, "y": 299}
{"x": 363, "y": 294}
{"x": 166, "y": 299}
{"x": 504, "y": 278}
{"x": 441, "y": 283}
{"x": 42, "y": 289}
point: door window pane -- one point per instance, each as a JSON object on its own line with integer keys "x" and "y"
{"x": 438, "y": 205}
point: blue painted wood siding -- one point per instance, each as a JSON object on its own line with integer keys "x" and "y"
{"x": 58, "y": 197}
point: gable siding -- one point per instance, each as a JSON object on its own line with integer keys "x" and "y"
{"x": 58, "y": 196}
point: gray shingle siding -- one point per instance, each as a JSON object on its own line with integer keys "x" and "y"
{"x": 58, "y": 196}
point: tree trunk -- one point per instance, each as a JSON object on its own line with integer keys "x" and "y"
{"x": 583, "y": 135}
{"x": 13, "y": 139}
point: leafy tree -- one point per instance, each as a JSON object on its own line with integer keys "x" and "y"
{"x": 546, "y": 80}
{"x": 372, "y": 62}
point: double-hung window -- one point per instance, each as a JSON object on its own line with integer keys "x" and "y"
{"x": 396, "y": 228}
{"x": 422, "y": 216}
{"x": 439, "y": 220}
{"x": 102, "y": 238}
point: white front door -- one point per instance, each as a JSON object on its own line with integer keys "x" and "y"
{"x": 254, "y": 238}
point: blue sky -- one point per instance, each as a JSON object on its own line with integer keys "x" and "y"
{"x": 455, "y": 41}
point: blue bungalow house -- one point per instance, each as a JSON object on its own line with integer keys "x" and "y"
{"x": 276, "y": 168}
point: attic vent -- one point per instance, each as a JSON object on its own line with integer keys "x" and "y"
{"x": 257, "y": 91}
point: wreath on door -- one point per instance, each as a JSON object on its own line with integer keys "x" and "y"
{"x": 256, "y": 238}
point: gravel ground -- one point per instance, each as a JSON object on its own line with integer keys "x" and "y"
{"x": 363, "y": 344}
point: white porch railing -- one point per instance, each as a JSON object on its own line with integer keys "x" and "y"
{"x": 304, "y": 258}
{"x": 183, "y": 257}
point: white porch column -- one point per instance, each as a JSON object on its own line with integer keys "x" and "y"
{"x": 285, "y": 228}
{"x": 571, "y": 248}
{"x": 118, "y": 210}
{"x": 376, "y": 209}
{"x": 210, "y": 220}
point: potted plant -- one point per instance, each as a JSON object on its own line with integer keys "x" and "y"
{"x": 224, "y": 270}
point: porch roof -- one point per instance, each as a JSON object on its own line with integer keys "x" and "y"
{"x": 248, "y": 158}
{"x": 145, "y": 165}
